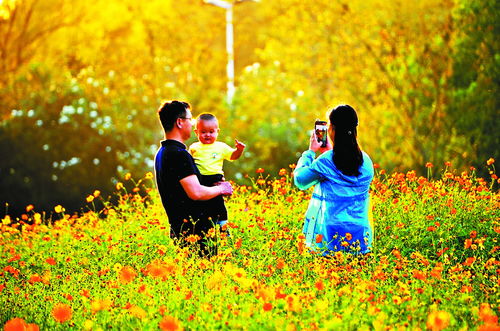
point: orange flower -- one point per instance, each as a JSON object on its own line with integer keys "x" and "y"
{"x": 348, "y": 236}
{"x": 29, "y": 208}
{"x": 469, "y": 260}
{"x": 429, "y": 165}
{"x": 490, "y": 161}
{"x": 127, "y": 275}
{"x": 487, "y": 315}
{"x": 15, "y": 324}
{"x": 438, "y": 320}
{"x": 259, "y": 171}
{"x": 193, "y": 238}
{"x": 18, "y": 324}
{"x": 85, "y": 293}
{"x": 319, "y": 238}
{"x": 97, "y": 193}
{"x": 62, "y": 312}
{"x": 267, "y": 306}
{"x": 127, "y": 176}
{"x": 170, "y": 323}
{"x": 282, "y": 172}
{"x": 419, "y": 274}
{"x": 320, "y": 286}
{"x": 51, "y": 261}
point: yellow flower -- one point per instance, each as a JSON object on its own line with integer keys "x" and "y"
{"x": 119, "y": 186}
{"x": 149, "y": 175}
{"x": 438, "y": 320}
{"x": 38, "y": 218}
{"x": 6, "y": 220}
{"x": 90, "y": 198}
{"x": 59, "y": 209}
{"x": 490, "y": 161}
{"x": 138, "y": 312}
{"x": 98, "y": 305}
{"x": 88, "y": 325}
{"x": 97, "y": 193}
{"x": 127, "y": 176}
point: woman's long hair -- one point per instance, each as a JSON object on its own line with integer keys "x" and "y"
{"x": 347, "y": 155}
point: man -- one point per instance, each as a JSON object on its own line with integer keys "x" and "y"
{"x": 177, "y": 176}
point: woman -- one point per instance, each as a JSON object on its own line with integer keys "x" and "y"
{"x": 338, "y": 214}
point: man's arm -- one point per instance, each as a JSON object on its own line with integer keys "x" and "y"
{"x": 196, "y": 191}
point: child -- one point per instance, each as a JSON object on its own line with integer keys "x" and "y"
{"x": 209, "y": 155}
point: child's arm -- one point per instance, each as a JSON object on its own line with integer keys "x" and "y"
{"x": 239, "y": 150}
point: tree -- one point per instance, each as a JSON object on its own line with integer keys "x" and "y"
{"x": 475, "y": 105}
{"x": 56, "y": 147}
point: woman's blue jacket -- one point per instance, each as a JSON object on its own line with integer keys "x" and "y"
{"x": 338, "y": 217}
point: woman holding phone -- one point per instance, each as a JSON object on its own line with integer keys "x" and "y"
{"x": 338, "y": 217}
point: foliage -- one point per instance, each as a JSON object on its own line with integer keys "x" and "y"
{"x": 475, "y": 84}
{"x": 434, "y": 263}
{"x": 70, "y": 147}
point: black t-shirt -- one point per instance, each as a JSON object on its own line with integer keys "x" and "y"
{"x": 173, "y": 163}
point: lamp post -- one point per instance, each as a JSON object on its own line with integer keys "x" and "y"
{"x": 228, "y": 6}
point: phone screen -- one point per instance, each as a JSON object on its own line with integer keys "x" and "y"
{"x": 321, "y": 129}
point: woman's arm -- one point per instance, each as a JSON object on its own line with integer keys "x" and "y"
{"x": 303, "y": 176}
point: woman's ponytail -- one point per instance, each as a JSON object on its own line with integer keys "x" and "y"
{"x": 347, "y": 155}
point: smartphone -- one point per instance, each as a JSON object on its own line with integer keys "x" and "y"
{"x": 321, "y": 129}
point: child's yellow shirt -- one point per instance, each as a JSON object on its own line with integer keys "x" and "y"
{"x": 210, "y": 157}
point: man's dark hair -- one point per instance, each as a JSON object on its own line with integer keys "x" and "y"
{"x": 347, "y": 155}
{"x": 170, "y": 111}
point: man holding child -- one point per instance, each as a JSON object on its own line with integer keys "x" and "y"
{"x": 178, "y": 177}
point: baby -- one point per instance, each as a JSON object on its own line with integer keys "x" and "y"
{"x": 209, "y": 155}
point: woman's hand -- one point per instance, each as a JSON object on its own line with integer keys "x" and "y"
{"x": 315, "y": 146}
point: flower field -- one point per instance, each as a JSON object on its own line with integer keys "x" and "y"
{"x": 435, "y": 263}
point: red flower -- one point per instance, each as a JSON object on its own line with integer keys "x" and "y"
{"x": 259, "y": 171}
{"x": 267, "y": 306}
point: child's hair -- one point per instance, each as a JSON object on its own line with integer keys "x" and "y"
{"x": 347, "y": 155}
{"x": 206, "y": 117}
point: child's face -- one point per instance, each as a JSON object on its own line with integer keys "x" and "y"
{"x": 207, "y": 131}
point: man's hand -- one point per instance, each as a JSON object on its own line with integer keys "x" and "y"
{"x": 225, "y": 188}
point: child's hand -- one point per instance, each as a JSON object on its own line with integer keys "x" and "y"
{"x": 239, "y": 145}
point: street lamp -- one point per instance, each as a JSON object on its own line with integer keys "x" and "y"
{"x": 228, "y": 6}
